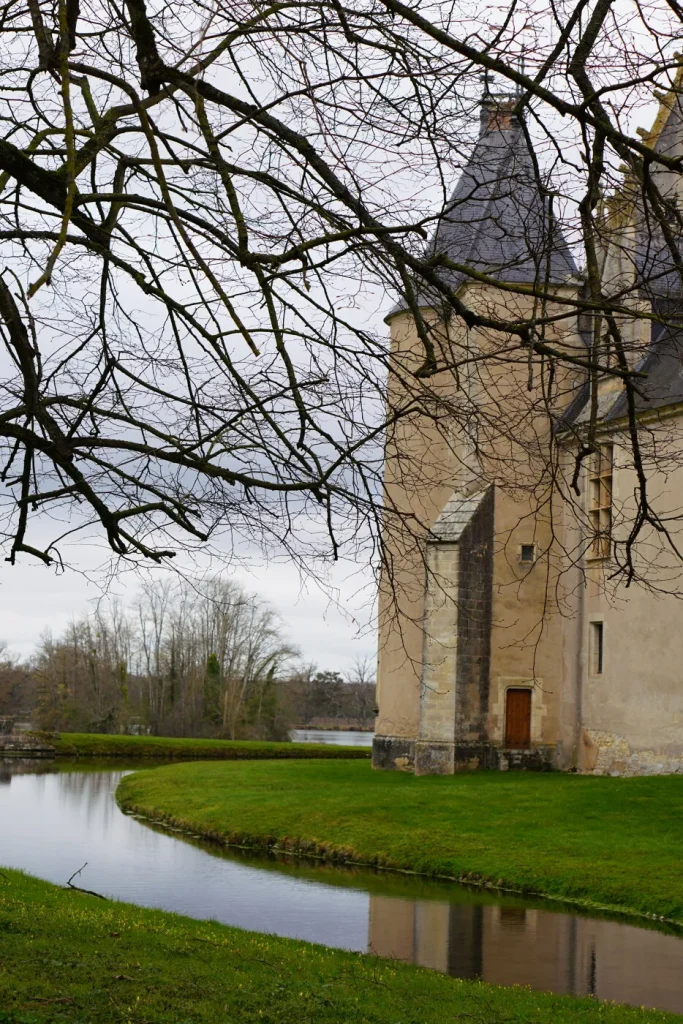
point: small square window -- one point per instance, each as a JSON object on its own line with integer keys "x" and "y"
{"x": 596, "y": 648}
{"x": 527, "y": 553}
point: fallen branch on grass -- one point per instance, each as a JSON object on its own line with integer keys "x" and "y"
{"x": 77, "y": 888}
{"x": 54, "y": 999}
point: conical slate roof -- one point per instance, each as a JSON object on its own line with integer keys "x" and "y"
{"x": 498, "y": 221}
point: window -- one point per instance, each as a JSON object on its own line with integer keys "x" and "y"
{"x": 587, "y": 325}
{"x": 596, "y": 648}
{"x": 527, "y": 553}
{"x": 600, "y": 502}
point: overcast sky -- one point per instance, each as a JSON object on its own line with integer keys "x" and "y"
{"x": 34, "y": 598}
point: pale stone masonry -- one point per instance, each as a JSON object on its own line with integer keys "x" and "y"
{"x": 503, "y": 647}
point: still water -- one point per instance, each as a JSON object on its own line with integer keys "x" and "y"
{"x": 53, "y": 818}
{"x": 346, "y": 737}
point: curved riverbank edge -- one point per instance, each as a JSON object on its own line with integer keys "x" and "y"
{"x": 344, "y": 856}
{"x": 295, "y": 842}
{"x": 170, "y": 748}
{"x": 114, "y": 955}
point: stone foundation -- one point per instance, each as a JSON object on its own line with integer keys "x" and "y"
{"x": 24, "y": 745}
{"x": 434, "y": 758}
{"x": 396, "y": 752}
{"x": 541, "y": 758}
{"x": 606, "y": 753}
{"x": 424, "y": 758}
{"x": 603, "y": 753}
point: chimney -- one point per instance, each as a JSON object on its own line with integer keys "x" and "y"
{"x": 496, "y": 113}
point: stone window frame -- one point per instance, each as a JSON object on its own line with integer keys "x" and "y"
{"x": 534, "y": 554}
{"x": 596, "y": 620}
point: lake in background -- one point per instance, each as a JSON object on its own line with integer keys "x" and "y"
{"x": 342, "y": 737}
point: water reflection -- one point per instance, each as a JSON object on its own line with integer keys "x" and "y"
{"x": 22, "y": 766}
{"x": 50, "y": 824}
{"x": 52, "y": 821}
{"x": 556, "y": 952}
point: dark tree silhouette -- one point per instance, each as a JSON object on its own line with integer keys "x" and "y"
{"x": 202, "y": 203}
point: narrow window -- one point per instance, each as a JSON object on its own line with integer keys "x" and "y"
{"x": 527, "y": 553}
{"x": 606, "y": 353}
{"x": 596, "y": 648}
{"x": 600, "y": 502}
{"x": 585, "y": 318}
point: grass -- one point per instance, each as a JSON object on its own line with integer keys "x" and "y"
{"x": 67, "y": 958}
{"x": 74, "y": 744}
{"x": 611, "y": 843}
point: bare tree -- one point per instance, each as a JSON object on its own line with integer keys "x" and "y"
{"x": 17, "y": 686}
{"x": 360, "y": 681}
{"x": 83, "y": 678}
{"x": 302, "y": 690}
{"x": 200, "y": 205}
{"x": 158, "y": 650}
{"x": 189, "y": 661}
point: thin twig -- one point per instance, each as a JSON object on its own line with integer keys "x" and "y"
{"x": 77, "y": 888}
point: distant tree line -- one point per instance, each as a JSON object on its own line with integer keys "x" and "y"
{"x": 208, "y": 659}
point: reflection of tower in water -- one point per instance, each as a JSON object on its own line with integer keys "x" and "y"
{"x": 549, "y": 951}
{"x": 465, "y": 941}
{"x": 592, "y": 970}
{"x": 442, "y": 936}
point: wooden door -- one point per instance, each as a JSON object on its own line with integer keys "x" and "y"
{"x": 518, "y": 719}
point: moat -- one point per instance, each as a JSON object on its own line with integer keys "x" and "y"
{"x": 56, "y": 816}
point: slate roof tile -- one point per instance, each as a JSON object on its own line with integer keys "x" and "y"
{"x": 497, "y": 221}
{"x": 454, "y": 517}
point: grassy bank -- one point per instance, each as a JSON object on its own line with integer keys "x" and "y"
{"x": 603, "y": 842}
{"x": 73, "y": 744}
{"x": 70, "y": 958}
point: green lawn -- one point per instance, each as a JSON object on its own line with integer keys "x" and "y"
{"x": 67, "y": 958}
{"x": 85, "y": 744}
{"x": 604, "y": 842}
